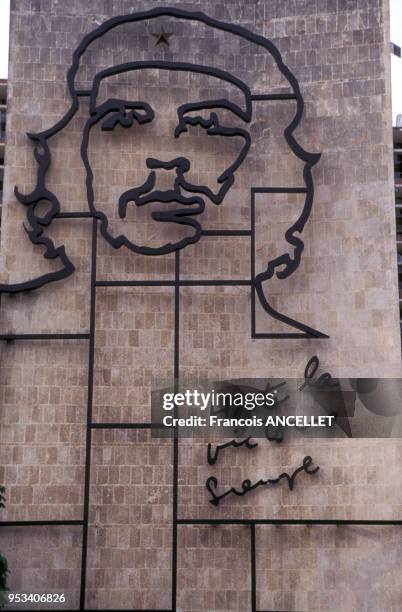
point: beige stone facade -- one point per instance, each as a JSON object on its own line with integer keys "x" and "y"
{"x": 345, "y": 286}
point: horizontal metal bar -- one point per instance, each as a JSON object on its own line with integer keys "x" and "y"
{"x": 278, "y": 96}
{"x": 278, "y": 190}
{"x": 121, "y": 609}
{"x": 286, "y": 522}
{"x": 38, "y": 523}
{"x": 226, "y": 232}
{"x": 127, "y": 425}
{"x": 135, "y": 283}
{"x": 273, "y": 336}
{"x": 215, "y": 283}
{"x": 74, "y": 215}
{"x": 171, "y": 283}
{"x": 10, "y": 337}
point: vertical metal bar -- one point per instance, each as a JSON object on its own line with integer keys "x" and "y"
{"x": 252, "y": 261}
{"x": 176, "y": 314}
{"x": 175, "y": 433}
{"x": 253, "y": 569}
{"x": 88, "y": 440}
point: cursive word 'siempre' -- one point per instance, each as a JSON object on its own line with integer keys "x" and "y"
{"x": 247, "y": 486}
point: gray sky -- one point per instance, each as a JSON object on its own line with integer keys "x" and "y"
{"x": 396, "y": 21}
{"x": 396, "y": 62}
{"x": 4, "y": 20}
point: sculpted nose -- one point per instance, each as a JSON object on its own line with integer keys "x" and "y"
{"x": 181, "y": 164}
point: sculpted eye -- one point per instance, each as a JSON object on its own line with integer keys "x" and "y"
{"x": 209, "y": 120}
{"x": 118, "y": 118}
{"x": 126, "y": 117}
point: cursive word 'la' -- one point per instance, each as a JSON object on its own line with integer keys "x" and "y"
{"x": 322, "y": 382}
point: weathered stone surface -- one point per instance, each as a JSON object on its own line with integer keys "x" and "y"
{"x": 346, "y": 286}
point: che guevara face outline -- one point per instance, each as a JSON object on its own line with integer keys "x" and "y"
{"x": 125, "y": 113}
{"x": 282, "y": 266}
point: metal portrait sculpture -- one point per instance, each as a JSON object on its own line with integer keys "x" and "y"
{"x": 190, "y": 207}
{"x": 189, "y": 198}
{"x": 125, "y": 113}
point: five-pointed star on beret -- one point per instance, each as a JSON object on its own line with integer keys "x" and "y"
{"x": 162, "y": 37}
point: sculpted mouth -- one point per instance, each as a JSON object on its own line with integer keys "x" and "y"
{"x": 140, "y": 196}
{"x": 172, "y": 205}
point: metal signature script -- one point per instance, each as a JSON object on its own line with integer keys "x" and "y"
{"x": 247, "y": 486}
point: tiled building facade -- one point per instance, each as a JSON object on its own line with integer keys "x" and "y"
{"x": 3, "y": 107}
{"x": 136, "y": 488}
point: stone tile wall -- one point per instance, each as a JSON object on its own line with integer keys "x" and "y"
{"x": 346, "y": 286}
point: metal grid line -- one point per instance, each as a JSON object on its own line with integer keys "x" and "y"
{"x": 90, "y": 425}
{"x": 37, "y": 227}
{"x": 253, "y": 569}
{"x": 88, "y": 440}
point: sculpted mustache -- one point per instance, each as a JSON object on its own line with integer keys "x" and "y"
{"x": 131, "y": 195}
{"x": 134, "y": 195}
